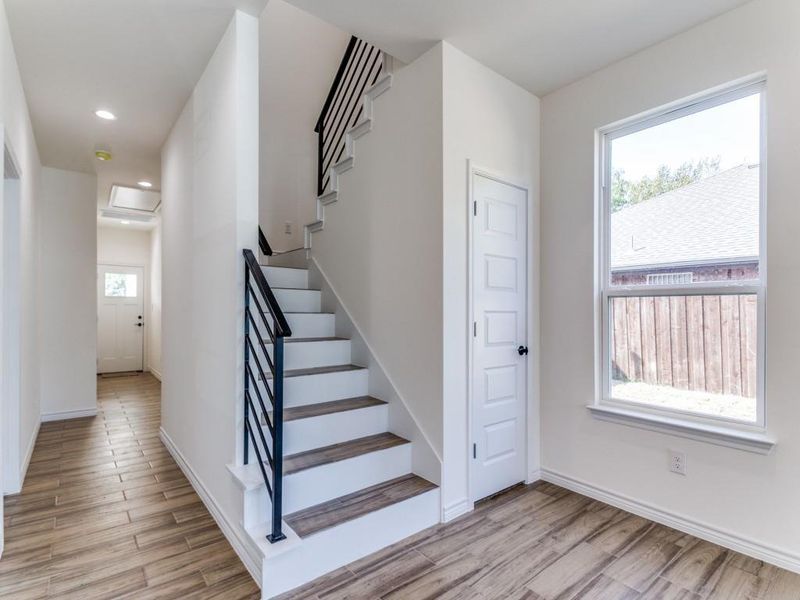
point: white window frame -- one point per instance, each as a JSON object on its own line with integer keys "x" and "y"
{"x": 726, "y": 431}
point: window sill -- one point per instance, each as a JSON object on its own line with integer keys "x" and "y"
{"x": 713, "y": 434}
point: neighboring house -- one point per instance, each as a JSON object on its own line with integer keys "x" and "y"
{"x": 659, "y": 241}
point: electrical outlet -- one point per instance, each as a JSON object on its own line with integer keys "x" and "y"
{"x": 287, "y": 228}
{"x": 677, "y": 462}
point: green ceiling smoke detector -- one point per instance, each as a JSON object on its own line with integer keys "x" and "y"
{"x": 102, "y": 155}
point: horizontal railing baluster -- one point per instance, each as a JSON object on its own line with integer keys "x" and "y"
{"x": 264, "y": 443}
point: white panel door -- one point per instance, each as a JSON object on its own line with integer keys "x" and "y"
{"x": 499, "y": 380}
{"x": 120, "y": 318}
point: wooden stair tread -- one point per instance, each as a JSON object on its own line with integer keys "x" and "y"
{"x": 350, "y": 449}
{"x": 321, "y": 370}
{"x": 326, "y": 408}
{"x": 346, "y": 508}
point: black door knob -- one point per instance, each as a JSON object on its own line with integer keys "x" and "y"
{"x": 138, "y": 324}
{"x": 522, "y": 350}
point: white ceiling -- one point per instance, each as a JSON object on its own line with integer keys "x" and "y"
{"x": 540, "y": 44}
{"x": 139, "y": 59}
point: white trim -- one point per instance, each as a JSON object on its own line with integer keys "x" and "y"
{"x": 456, "y": 509}
{"x": 251, "y": 561}
{"x": 604, "y": 291}
{"x": 23, "y": 470}
{"x": 473, "y": 170}
{"x": 776, "y": 556}
{"x": 155, "y": 373}
{"x": 69, "y": 414}
{"x": 691, "y": 429}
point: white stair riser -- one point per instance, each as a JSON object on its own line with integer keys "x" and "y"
{"x": 298, "y": 300}
{"x": 311, "y": 389}
{"x": 332, "y": 548}
{"x": 284, "y": 277}
{"x": 312, "y": 325}
{"x": 306, "y": 434}
{"x": 304, "y": 355}
{"x": 326, "y": 482}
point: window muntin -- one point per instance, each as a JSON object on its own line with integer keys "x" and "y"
{"x": 120, "y": 285}
{"x": 682, "y": 262}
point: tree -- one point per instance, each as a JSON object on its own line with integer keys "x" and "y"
{"x": 627, "y": 193}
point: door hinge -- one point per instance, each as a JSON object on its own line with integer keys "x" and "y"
{"x": 474, "y": 329}
{"x": 474, "y": 450}
{"x": 475, "y": 208}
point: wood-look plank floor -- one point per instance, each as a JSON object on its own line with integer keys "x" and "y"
{"x": 106, "y": 513}
{"x": 542, "y": 542}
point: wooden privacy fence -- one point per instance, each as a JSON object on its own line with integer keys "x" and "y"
{"x": 704, "y": 343}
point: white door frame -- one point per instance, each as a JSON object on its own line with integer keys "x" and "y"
{"x": 533, "y": 348}
{"x": 14, "y": 464}
{"x": 145, "y": 306}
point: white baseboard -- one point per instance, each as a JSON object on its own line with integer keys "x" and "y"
{"x": 28, "y": 454}
{"x": 456, "y": 509}
{"x": 776, "y": 556}
{"x": 69, "y": 414}
{"x": 155, "y": 373}
{"x": 251, "y": 562}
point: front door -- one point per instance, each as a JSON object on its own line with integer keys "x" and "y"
{"x": 499, "y": 357}
{"x": 120, "y": 318}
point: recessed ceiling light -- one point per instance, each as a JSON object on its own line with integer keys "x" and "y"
{"x": 124, "y": 222}
{"x": 106, "y": 114}
{"x": 102, "y": 155}
{"x": 145, "y": 184}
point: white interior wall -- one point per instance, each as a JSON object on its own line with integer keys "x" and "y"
{"x": 746, "y": 499}
{"x": 299, "y": 58}
{"x": 154, "y": 320}
{"x": 495, "y": 124}
{"x": 381, "y": 249}
{"x": 18, "y": 136}
{"x": 210, "y": 213}
{"x": 69, "y": 302}
{"x": 128, "y": 247}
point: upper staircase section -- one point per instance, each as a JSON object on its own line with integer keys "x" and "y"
{"x": 361, "y": 66}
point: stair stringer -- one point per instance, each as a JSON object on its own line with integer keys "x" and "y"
{"x": 347, "y": 161}
{"x": 425, "y": 461}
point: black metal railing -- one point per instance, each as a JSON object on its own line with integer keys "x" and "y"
{"x": 361, "y": 66}
{"x": 265, "y": 323}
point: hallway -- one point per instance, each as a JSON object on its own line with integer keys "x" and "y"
{"x": 106, "y": 513}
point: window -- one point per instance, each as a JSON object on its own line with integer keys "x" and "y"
{"x": 120, "y": 285}
{"x": 682, "y": 267}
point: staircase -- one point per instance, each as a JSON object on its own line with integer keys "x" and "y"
{"x": 348, "y": 485}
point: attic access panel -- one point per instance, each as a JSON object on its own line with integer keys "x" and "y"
{"x": 129, "y": 198}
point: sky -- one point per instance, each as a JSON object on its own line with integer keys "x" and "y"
{"x": 730, "y": 132}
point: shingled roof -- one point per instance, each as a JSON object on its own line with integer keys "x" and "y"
{"x": 715, "y": 219}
